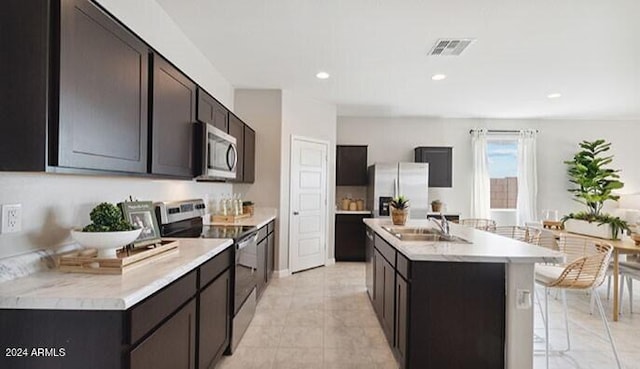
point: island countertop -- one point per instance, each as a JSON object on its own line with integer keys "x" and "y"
{"x": 57, "y": 290}
{"x": 485, "y": 246}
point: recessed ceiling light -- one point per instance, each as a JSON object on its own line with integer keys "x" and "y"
{"x": 554, "y": 95}
{"x": 322, "y": 75}
{"x": 438, "y": 77}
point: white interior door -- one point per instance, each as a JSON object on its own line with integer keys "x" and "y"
{"x": 308, "y": 204}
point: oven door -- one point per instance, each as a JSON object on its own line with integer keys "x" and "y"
{"x": 221, "y": 154}
{"x": 246, "y": 269}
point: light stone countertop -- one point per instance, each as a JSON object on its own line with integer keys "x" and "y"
{"x": 485, "y": 247}
{"x": 353, "y": 211}
{"x": 260, "y": 218}
{"x": 79, "y": 291}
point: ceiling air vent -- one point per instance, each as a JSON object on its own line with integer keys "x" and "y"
{"x": 450, "y": 46}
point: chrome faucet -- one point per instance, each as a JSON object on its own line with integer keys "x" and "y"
{"x": 443, "y": 225}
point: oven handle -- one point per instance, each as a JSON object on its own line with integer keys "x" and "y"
{"x": 247, "y": 241}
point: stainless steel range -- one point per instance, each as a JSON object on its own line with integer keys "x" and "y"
{"x": 183, "y": 219}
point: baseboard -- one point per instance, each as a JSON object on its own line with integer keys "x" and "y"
{"x": 330, "y": 261}
{"x": 282, "y": 273}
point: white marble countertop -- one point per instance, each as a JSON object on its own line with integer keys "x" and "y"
{"x": 78, "y": 291}
{"x": 484, "y": 247}
{"x": 260, "y": 218}
{"x": 353, "y": 211}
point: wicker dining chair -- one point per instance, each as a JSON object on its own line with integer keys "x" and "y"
{"x": 524, "y": 234}
{"x": 586, "y": 267}
{"x": 479, "y": 223}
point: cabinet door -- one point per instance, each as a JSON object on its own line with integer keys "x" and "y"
{"x": 214, "y": 320}
{"x": 440, "y": 161}
{"x": 212, "y": 112}
{"x": 271, "y": 244}
{"x": 174, "y": 112}
{"x": 351, "y": 165}
{"x": 378, "y": 283}
{"x": 249, "y": 154}
{"x": 172, "y": 346}
{"x": 261, "y": 270}
{"x": 103, "y": 92}
{"x": 236, "y": 129}
{"x": 388, "y": 303}
{"x": 368, "y": 248}
{"x": 350, "y": 237}
{"x": 402, "y": 300}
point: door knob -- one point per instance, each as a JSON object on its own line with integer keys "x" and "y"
{"x": 295, "y": 213}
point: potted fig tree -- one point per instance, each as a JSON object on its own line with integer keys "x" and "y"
{"x": 399, "y": 210}
{"x": 594, "y": 185}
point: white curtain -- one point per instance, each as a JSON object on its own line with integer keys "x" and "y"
{"x": 481, "y": 191}
{"x": 527, "y": 177}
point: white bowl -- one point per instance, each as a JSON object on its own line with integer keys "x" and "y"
{"x": 105, "y": 242}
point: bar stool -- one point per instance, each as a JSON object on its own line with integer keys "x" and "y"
{"x": 524, "y": 234}
{"x": 479, "y": 223}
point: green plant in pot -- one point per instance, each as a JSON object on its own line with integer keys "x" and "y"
{"x": 108, "y": 231}
{"x": 594, "y": 185}
{"x": 399, "y": 209}
{"x": 436, "y": 206}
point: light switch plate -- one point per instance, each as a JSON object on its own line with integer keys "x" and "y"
{"x": 523, "y": 299}
{"x": 11, "y": 218}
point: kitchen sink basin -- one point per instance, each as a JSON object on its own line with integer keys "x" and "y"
{"x": 422, "y": 234}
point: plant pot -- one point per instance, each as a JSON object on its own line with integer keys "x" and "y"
{"x": 248, "y": 209}
{"x": 399, "y": 216}
{"x": 593, "y": 229}
{"x": 107, "y": 243}
{"x": 436, "y": 208}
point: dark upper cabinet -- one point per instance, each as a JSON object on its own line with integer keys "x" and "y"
{"x": 350, "y": 237}
{"x": 103, "y": 92}
{"x": 249, "y": 155}
{"x": 440, "y": 161}
{"x": 212, "y": 112}
{"x": 351, "y": 165}
{"x": 236, "y": 129}
{"x": 174, "y": 111}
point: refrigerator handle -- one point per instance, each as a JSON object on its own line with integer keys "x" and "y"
{"x": 396, "y": 188}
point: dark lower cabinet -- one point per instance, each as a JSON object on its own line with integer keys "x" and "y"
{"x": 103, "y": 92}
{"x": 214, "y": 323}
{"x": 350, "y": 237}
{"x": 369, "y": 261}
{"x": 172, "y": 346}
{"x": 261, "y": 269}
{"x": 438, "y": 314}
{"x": 265, "y": 256}
{"x": 236, "y": 129}
{"x": 173, "y": 114}
{"x": 271, "y": 244}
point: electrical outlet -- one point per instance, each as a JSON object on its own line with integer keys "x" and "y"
{"x": 11, "y": 218}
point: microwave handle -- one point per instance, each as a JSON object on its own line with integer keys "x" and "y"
{"x": 233, "y": 148}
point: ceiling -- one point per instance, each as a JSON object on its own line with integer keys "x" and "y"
{"x": 376, "y": 53}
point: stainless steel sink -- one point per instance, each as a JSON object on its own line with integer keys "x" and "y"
{"x": 422, "y": 234}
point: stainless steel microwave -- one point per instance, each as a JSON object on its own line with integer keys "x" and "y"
{"x": 217, "y": 153}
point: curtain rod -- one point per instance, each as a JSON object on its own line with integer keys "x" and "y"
{"x": 501, "y": 131}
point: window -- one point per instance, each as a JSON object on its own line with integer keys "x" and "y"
{"x": 503, "y": 171}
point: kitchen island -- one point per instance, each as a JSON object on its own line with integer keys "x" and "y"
{"x": 454, "y": 304}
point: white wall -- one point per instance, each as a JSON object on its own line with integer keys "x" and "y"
{"x": 393, "y": 139}
{"x": 310, "y": 118}
{"x": 52, "y": 204}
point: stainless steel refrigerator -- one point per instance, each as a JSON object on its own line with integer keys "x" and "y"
{"x": 389, "y": 180}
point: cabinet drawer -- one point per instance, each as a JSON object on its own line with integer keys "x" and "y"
{"x": 212, "y": 268}
{"x": 156, "y": 308}
{"x": 262, "y": 233}
{"x": 402, "y": 266}
{"x": 386, "y": 250}
{"x": 271, "y": 226}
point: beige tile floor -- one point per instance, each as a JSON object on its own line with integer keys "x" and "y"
{"x": 322, "y": 319}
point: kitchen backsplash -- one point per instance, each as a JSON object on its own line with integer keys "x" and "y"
{"x": 52, "y": 204}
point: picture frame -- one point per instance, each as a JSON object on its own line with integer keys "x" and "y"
{"x": 141, "y": 214}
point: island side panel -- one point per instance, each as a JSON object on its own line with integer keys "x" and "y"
{"x": 457, "y": 315}
{"x": 519, "y": 320}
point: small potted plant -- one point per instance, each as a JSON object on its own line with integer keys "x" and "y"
{"x": 248, "y": 207}
{"x": 436, "y": 206}
{"x": 594, "y": 185}
{"x": 399, "y": 210}
{"x": 108, "y": 231}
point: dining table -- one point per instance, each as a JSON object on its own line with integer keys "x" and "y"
{"x": 623, "y": 246}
